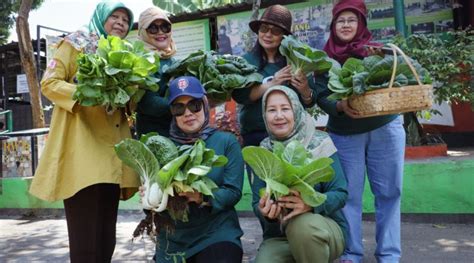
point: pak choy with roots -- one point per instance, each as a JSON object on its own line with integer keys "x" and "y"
{"x": 166, "y": 170}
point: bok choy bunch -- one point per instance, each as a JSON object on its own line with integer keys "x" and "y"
{"x": 166, "y": 170}
{"x": 290, "y": 167}
{"x": 304, "y": 58}
{"x": 117, "y": 73}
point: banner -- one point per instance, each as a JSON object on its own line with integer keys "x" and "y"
{"x": 312, "y": 21}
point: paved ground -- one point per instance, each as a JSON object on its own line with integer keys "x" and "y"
{"x": 44, "y": 239}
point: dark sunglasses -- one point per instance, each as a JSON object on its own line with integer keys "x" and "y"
{"x": 276, "y": 31}
{"x": 154, "y": 28}
{"x": 178, "y": 109}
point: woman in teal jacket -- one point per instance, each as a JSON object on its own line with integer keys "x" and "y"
{"x": 212, "y": 233}
{"x": 273, "y": 25}
{"x": 154, "y": 29}
{"x": 305, "y": 234}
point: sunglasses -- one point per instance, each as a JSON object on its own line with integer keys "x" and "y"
{"x": 273, "y": 29}
{"x": 154, "y": 28}
{"x": 178, "y": 109}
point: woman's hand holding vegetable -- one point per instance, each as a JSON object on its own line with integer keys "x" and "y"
{"x": 300, "y": 82}
{"x": 279, "y": 78}
{"x": 295, "y": 203}
{"x": 343, "y": 106}
{"x": 269, "y": 208}
{"x": 195, "y": 197}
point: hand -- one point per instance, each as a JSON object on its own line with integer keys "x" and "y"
{"x": 375, "y": 51}
{"x": 300, "y": 82}
{"x": 294, "y": 202}
{"x": 268, "y": 207}
{"x": 141, "y": 193}
{"x": 343, "y": 106}
{"x": 281, "y": 76}
{"x": 195, "y": 197}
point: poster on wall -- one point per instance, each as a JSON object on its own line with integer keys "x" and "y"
{"x": 188, "y": 37}
{"x": 312, "y": 19}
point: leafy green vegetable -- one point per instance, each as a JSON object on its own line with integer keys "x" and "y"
{"x": 374, "y": 72}
{"x": 304, "y": 58}
{"x": 219, "y": 74}
{"x": 183, "y": 170}
{"x": 117, "y": 73}
{"x": 290, "y": 167}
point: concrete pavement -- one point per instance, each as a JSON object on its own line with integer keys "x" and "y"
{"x": 44, "y": 239}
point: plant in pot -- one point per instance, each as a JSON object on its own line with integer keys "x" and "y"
{"x": 449, "y": 58}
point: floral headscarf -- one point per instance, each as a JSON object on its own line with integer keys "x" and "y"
{"x": 317, "y": 142}
{"x": 177, "y": 135}
{"x": 146, "y": 18}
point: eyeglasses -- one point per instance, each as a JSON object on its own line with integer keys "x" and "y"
{"x": 155, "y": 28}
{"x": 273, "y": 29}
{"x": 351, "y": 22}
{"x": 178, "y": 109}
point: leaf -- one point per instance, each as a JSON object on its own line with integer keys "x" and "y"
{"x": 167, "y": 173}
{"x": 277, "y": 187}
{"x": 295, "y": 153}
{"x": 137, "y": 156}
{"x": 310, "y": 196}
{"x": 263, "y": 162}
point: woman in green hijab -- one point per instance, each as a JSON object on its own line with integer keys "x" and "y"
{"x": 79, "y": 165}
{"x": 309, "y": 234}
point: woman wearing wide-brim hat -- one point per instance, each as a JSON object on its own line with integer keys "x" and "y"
{"x": 274, "y": 23}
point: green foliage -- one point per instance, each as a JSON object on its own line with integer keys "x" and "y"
{"x": 448, "y": 58}
{"x": 117, "y": 73}
{"x": 163, "y": 148}
{"x": 8, "y": 8}
{"x": 374, "y": 72}
{"x": 304, "y": 58}
{"x": 219, "y": 74}
{"x": 188, "y": 6}
{"x": 290, "y": 167}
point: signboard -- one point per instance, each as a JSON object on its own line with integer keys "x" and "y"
{"x": 21, "y": 84}
{"x": 312, "y": 21}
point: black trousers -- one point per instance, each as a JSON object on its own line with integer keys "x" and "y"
{"x": 91, "y": 216}
{"x": 222, "y": 252}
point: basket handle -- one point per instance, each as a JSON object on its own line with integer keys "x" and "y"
{"x": 395, "y": 50}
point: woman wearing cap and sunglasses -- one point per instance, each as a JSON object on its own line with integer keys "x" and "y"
{"x": 373, "y": 145}
{"x": 154, "y": 29}
{"x": 80, "y": 138}
{"x": 212, "y": 233}
{"x": 275, "y": 22}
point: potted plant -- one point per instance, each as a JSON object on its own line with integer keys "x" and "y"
{"x": 450, "y": 60}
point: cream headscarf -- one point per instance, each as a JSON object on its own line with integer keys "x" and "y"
{"x": 315, "y": 141}
{"x": 146, "y": 18}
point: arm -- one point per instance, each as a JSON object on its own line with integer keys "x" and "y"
{"x": 230, "y": 192}
{"x": 153, "y": 104}
{"x": 56, "y": 83}
{"x": 335, "y": 190}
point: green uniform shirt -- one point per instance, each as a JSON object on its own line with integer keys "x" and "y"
{"x": 153, "y": 113}
{"x": 335, "y": 190}
{"x": 250, "y": 116}
{"x": 219, "y": 222}
{"x": 339, "y": 122}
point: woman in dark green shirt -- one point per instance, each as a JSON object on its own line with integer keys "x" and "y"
{"x": 309, "y": 234}
{"x": 212, "y": 233}
{"x": 154, "y": 29}
{"x": 273, "y": 25}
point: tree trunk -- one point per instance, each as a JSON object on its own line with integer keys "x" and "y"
{"x": 255, "y": 7}
{"x": 28, "y": 63}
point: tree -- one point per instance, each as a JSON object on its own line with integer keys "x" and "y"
{"x": 28, "y": 63}
{"x": 7, "y": 10}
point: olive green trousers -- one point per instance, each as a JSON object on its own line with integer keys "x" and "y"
{"x": 310, "y": 238}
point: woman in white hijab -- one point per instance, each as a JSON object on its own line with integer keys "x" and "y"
{"x": 155, "y": 30}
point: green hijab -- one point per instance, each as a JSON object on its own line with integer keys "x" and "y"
{"x": 317, "y": 142}
{"x": 102, "y": 11}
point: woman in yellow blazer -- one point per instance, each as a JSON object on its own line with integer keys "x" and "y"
{"x": 79, "y": 164}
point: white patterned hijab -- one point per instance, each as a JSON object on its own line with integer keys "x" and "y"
{"x": 317, "y": 142}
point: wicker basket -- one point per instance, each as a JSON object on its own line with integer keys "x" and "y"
{"x": 394, "y": 100}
